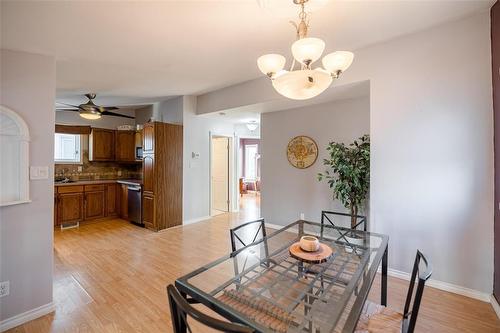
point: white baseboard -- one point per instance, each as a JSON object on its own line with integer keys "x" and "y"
{"x": 196, "y": 220}
{"x": 278, "y": 227}
{"x": 495, "y": 305}
{"x": 452, "y": 288}
{"x": 22, "y": 318}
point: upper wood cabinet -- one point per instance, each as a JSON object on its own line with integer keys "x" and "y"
{"x": 125, "y": 146}
{"x": 102, "y": 145}
{"x": 148, "y": 137}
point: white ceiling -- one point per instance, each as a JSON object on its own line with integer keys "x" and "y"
{"x": 145, "y": 50}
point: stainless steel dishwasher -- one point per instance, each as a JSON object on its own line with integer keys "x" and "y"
{"x": 134, "y": 204}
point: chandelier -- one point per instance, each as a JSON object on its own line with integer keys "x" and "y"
{"x": 304, "y": 82}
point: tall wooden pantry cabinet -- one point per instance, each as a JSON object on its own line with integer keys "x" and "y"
{"x": 162, "y": 175}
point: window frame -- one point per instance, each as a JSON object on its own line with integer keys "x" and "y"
{"x": 80, "y": 153}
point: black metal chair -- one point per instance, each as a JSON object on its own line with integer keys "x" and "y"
{"x": 239, "y": 240}
{"x": 180, "y": 309}
{"x": 377, "y": 318}
{"x": 329, "y": 217}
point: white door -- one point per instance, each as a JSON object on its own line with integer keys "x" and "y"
{"x": 220, "y": 173}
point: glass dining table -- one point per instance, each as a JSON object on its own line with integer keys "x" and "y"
{"x": 264, "y": 287}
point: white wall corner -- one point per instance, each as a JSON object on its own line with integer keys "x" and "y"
{"x": 196, "y": 220}
{"x": 495, "y": 305}
{"x": 24, "y": 317}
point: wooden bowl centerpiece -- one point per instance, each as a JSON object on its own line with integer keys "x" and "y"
{"x": 310, "y": 250}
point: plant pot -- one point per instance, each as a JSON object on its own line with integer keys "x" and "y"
{"x": 353, "y": 239}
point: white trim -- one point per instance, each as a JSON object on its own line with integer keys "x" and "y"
{"x": 495, "y": 305}
{"x": 24, "y": 317}
{"x": 195, "y": 220}
{"x": 11, "y": 203}
{"x": 452, "y": 288}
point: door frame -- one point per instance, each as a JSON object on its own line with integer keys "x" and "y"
{"x": 232, "y": 206}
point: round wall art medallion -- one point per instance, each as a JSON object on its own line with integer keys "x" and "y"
{"x": 302, "y": 152}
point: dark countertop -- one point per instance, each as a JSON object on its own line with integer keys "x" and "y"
{"x": 102, "y": 181}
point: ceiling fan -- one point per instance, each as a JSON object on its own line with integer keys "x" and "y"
{"x": 92, "y": 111}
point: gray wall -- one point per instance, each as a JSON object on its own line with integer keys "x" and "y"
{"x": 28, "y": 87}
{"x": 171, "y": 110}
{"x": 432, "y": 145}
{"x": 197, "y": 130}
{"x": 288, "y": 191}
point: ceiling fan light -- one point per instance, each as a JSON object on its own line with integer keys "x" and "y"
{"x": 270, "y": 64}
{"x": 338, "y": 61}
{"x": 303, "y": 84}
{"x": 90, "y": 115}
{"x": 252, "y": 126}
{"x": 308, "y": 50}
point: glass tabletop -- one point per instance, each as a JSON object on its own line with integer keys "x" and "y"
{"x": 264, "y": 287}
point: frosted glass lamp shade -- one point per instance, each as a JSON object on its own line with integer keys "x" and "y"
{"x": 90, "y": 115}
{"x": 303, "y": 84}
{"x": 252, "y": 126}
{"x": 338, "y": 61}
{"x": 307, "y": 50}
{"x": 271, "y": 64}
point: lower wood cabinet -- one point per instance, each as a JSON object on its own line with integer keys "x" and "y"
{"x": 69, "y": 208}
{"x": 112, "y": 199}
{"x": 123, "y": 189}
{"x": 77, "y": 203}
{"x": 148, "y": 211}
{"x": 95, "y": 204}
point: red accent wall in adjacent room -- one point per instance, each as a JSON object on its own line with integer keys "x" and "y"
{"x": 495, "y": 55}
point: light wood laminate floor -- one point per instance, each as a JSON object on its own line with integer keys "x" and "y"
{"x": 110, "y": 276}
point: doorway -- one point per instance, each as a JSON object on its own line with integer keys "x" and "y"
{"x": 220, "y": 175}
{"x": 249, "y": 175}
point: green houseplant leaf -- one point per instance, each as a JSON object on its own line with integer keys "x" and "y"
{"x": 348, "y": 173}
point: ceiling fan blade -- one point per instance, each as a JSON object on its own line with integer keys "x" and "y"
{"x": 77, "y": 110}
{"x": 73, "y": 106}
{"x": 104, "y": 108}
{"x": 108, "y": 113}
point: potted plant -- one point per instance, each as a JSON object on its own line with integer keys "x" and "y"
{"x": 348, "y": 173}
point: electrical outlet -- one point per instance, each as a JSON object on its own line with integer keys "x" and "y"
{"x": 4, "y": 288}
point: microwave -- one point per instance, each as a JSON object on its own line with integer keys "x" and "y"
{"x": 138, "y": 153}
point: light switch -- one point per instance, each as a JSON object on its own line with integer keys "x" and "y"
{"x": 39, "y": 172}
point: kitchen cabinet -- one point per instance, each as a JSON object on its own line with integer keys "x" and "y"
{"x": 70, "y": 203}
{"x": 77, "y": 203}
{"x": 112, "y": 199}
{"x": 95, "y": 202}
{"x": 148, "y": 133}
{"x": 162, "y": 175}
{"x": 123, "y": 201}
{"x": 102, "y": 145}
{"x": 148, "y": 174}
{"x": 125, "y": 146}
{"x": 148, "y": 211}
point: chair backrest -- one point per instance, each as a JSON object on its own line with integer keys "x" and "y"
{"x": 329, "y": 217}
{"x": 247, "y": 233}
{"x": 413, "y": 299}
{"x": 180, "y": 309}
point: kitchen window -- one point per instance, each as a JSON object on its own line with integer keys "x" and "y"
{"x": 67, "y": 148}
